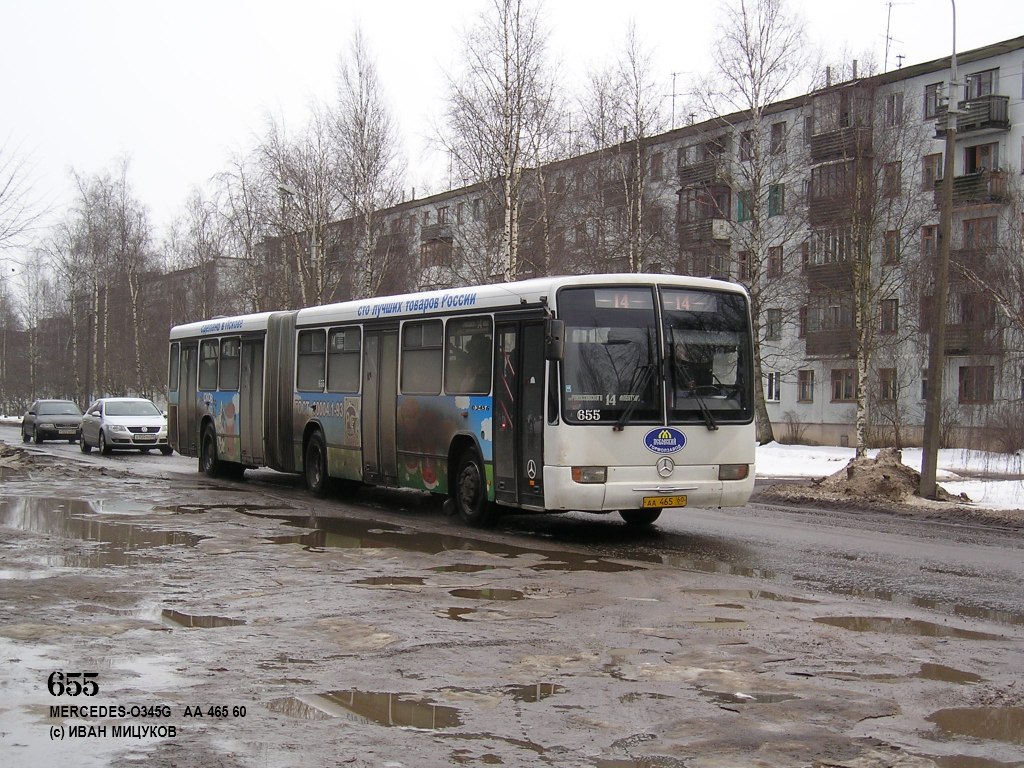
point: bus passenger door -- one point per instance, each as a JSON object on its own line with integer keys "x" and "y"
{"x": 250, "y": 395}
{"x": 519, "y": 414}
{"x": 380, "y": 402}
{"x": 188, "y": 411}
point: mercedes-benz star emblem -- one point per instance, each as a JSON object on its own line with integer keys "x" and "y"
{"x": 666, "y": 466}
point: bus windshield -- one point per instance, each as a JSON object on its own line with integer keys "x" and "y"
{"x": 708, "y": 351}
{"x": 610, "y": 367}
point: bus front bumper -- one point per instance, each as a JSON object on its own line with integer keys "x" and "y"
{"x": 628, "y": 487}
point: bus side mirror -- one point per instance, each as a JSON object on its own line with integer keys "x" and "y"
{"x": 554, "y": 339}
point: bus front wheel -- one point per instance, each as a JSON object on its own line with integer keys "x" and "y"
{"x": 471, "y": 491}
{"x": 317, "y": 478}
{"x": 209, "y": 464}
{"x": 639, "y": 517}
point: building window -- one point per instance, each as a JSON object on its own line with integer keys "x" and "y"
{"x": 931, "y": 171}
{"x": 833, "y": 245}
{"x": 773, "y": 387}
{"x": 844, "y": 385}
{"x": 801, "y": 330}
{"x": 426, "y": 218}
{"x": 702, "y": 203}
{"x": 982, "y": 84}
{"x": 442, "y": 215}
{"x": 581, "y": 233}
{"x": 775, "y": 261}
{"x": 460, "y": 212}
{"x": 657, "y": 163}
{"x": 747, "y": 145}
{"x": 743, "y": 266}
{"x": 808, "y": 128}
{"x": 929, "y": 238}
{"x": 776, "y": 199}
{"x": 744, "y": 206}
{"x": 981, "y": 157}
{"x": 977, "y": 383}
{"x": 805, "y": 386}
{"x": 892, "y": 179}
{"x": 773, "y": 324}
{"x": 893, "y": 109}
{"x": 924, "y": 383}
{"x": 891, "y": 247}
{"x": 833, "y": 181}
{"x": 890, "y": 315}
{"x": 805, "y": 255}
{"x": 980, "y": 234}
{"x": 778, "y": 138}
{"x": 478, "y": 209}
{"x": 932, "y": 100}
{"x": 887, "y": 385}
{"x": 653, "y": 221}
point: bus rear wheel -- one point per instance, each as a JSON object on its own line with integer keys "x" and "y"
{"x": 471, "y": 491}
{"x": 639, "y": 517}
{"x": 317, "y": 478}
{"x": 209, "y": 464}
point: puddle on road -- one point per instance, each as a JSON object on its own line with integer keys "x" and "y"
{"x": 894, "y": 626}
{"x": 345, "y": 533}
{"x": 121, "y": 542}
{"x": 946, "y": 674}
{"x": 751, "y": 594}
{"x": 991, "y": 723}
{"x": 738, "y": 697}
{"x": 392, "y": 581}
{"x": 463, "y": 568}
{"x": 198, "y": 509}
{"x": 487, "y": 593}
{"x": 179, "y": 619}
{"x": 528, "y": 694}
{"x": 387, "y": 709}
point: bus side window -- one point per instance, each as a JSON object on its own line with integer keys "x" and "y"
{"x": 422, "y": 358}
{"x": 343, "y": 358}
{"x": 310, "y": 373}
{"x": 208, "y": 355}
{"x": 468, "y": 369}
{"x": 172, "y": 369}
{"x": 229, "y": 363}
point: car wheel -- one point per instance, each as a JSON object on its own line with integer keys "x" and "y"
{"x": 639, "y": 517}
{"x": 317, "y": 478}
{"x": 103, "y": 445}
{"x": 209, "y": 464}
{"x": 84, "y": 446}
{"x": 166, "y": 450}
{"x": 24, "y": 435}
{"x": 471, "y": 491}
{"x": 38, "y": 438}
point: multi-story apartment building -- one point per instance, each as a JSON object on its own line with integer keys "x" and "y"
{"x": 827, "y": 207}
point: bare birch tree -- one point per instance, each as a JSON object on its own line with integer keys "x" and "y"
{"x": 19, "y": 210}
{"x": 368, "y": 149}
{"x": 759, "y": 54}
{"x": 494, "y": 111}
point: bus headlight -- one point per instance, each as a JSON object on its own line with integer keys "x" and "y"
{"x": 589, "y": 474}
{"x": 733, "y": 471}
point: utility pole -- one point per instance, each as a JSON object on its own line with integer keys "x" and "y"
{"x": 937, "y": 339}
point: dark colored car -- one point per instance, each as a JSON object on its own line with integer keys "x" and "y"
{"x": 52, "y": 420}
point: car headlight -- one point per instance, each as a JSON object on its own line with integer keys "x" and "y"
{"x": 46, "y": 425}
{"x": 117, "y": 428}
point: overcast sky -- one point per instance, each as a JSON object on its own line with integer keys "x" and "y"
{"x": 178, "y": 86}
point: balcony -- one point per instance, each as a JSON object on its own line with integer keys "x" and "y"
{"x": 973, "y": 340}
{"x": 431, "y": 232}
{"x": 831, "y": 343}
{"x": 985, "y": 114}
{"x": 701, "y": 172}
{"x": 836, "y": 275}
{"x": 841, "y": 143}
{"x": 704, "y": 230}
{"x": 981, "y": 188}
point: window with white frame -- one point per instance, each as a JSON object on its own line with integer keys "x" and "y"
{"x": 773, "y": 387}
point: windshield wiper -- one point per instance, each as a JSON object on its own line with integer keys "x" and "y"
{"x": 641, "y": 378}
{"x": 709, "y": 420}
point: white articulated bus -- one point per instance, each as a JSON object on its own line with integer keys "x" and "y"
{"x": 630, "y": 393}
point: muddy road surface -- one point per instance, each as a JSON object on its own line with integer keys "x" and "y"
{"x": 150, "y": 614}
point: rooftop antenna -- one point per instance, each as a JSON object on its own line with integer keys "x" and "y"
{"x": 899, "y": 60}
{"x": 889, "y": 39}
